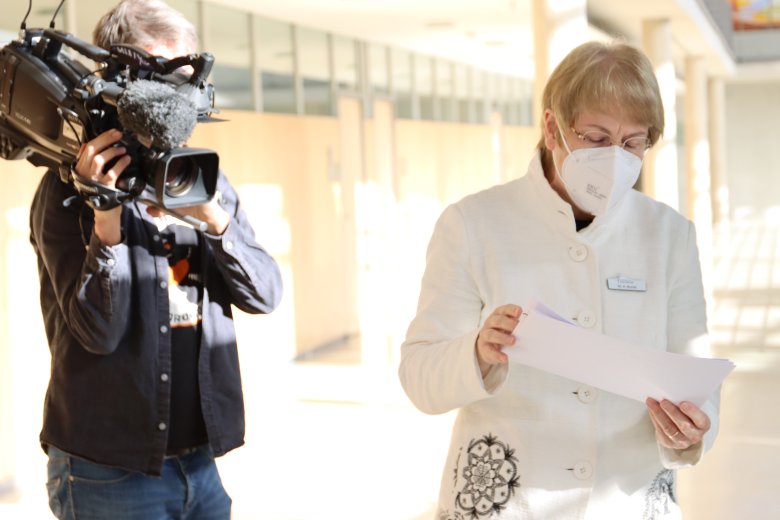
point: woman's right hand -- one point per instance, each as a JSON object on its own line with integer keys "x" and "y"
{"x": 495, "y": 334}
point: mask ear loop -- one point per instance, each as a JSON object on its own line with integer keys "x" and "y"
{"x": 555, "y": 164}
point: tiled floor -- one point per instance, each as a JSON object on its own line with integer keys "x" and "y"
{"x": 334, "y": 438}
{"x": 739, "y": 478}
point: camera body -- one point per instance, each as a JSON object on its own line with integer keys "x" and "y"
{"x": 50, "y": 104}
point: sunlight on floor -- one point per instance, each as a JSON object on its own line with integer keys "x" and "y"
{"x": 333, "y": 437}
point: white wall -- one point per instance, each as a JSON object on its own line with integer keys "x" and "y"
{"x": 753, "y": 150}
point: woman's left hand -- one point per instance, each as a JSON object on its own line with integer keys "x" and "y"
{"x": 677, "y": 427}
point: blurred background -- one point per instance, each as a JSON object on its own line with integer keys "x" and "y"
{"x": 351, "y": 125}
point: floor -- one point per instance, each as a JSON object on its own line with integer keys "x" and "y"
{"x": 331, "y": 437}
{"x": 739, "y": 478}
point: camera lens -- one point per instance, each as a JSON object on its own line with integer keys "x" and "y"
{"x": 181, "y": 175}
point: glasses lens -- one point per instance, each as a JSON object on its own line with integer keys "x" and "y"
{"x": 595, "y": 139}
{"x": 636, "y": 145}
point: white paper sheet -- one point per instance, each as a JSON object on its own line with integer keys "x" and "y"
{"x": 550, "y": 343}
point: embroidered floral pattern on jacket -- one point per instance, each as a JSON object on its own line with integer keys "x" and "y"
{"x": 446, "y": 515}
{"x": 490, "y": 478}
{"x": 660, "y": 496}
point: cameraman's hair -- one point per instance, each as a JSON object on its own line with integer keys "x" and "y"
{"x": 145, "y": 23}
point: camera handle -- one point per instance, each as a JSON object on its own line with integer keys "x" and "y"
{"x": 192, "y": 221}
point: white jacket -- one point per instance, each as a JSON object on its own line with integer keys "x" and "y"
{"x": 528, "y": 444}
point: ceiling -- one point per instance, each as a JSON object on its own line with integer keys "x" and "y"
{"x": 492, "y": 34}
{"x": 495, "y": 34}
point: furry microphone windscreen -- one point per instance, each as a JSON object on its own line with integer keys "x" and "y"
{"x": 157, "y": 114}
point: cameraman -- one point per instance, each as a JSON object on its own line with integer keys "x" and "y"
{"x": 145, "y": 387}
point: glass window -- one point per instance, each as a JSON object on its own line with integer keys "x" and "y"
{"x": 508, "y": 107}
{"x": 189, "y": 8}
{"x": 492, "y": 93}
{"x": 378, "y": 71}
{"x": 525, "y": 100}
{"x": 276, "y": 64}
{"x": 444, "y": 90}
{"x": 345, "y": 61}
{"x": 479, "y": 95}
{"x": 87, "y": 16}
{"x": 463, "y": 93}
{"x": 227, "y": 38}
{"x": 314, "y": 69}
{"x": 402, "y": 83}
{"x": 504, "y": 99}
{"x": 423, "y": 82}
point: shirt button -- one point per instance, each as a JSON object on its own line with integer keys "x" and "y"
{"x": 156, "y": 238}
{"x": 586, "y": 319}
{"x": 162, "y": 426}
{"x": 163, "y": 329}
{"x": 578, "y": 253}
{"x": 163, "y": 285}
{"x": 110, "y": 261}
{"x": 583, "y": 470}
{"x": 586, "y": 394}
{"x": 164, "y": 378}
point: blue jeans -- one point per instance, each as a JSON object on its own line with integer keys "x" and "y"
{"x": 189, "y": 488}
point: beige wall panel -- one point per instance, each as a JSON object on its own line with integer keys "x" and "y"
{"x": 299, "y": 157}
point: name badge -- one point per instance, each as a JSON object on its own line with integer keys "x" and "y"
{"x": 624, "y": 283}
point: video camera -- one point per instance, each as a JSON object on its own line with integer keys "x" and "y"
{"x": 50, "y": 104}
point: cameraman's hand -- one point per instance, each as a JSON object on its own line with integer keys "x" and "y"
{"x": 214, "y": 215}
{"x": 95, "y": 154}
{"x": 90, "y": 163}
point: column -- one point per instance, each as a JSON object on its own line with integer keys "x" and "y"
{"x": 659, "y": 175}
{"x": 717, "y": 137}
{"x": 559, "y": 26}
{"x": 697, "y": 163}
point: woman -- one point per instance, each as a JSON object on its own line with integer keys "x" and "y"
{"x": 526, "y": 443}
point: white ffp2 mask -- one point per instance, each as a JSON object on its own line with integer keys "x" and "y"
{"x": 597, "y": 178}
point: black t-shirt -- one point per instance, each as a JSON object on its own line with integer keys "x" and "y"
{"x": 185, "y": 292}
{"x": 582, "y": 223}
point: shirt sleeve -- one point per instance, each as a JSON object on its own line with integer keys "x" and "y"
{"x": 439, "y": 369}
{"x": 84, "y": 281}
{"x": 250, "y": 273}
{"x": 687, "y": 334}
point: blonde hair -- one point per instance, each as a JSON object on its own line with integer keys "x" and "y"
{"x": 145, "y": 23}
{"x": 614, "y": 78}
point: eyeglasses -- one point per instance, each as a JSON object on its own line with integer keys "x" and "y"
{"x": 637, "y": 145}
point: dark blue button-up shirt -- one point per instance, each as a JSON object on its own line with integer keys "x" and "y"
{"x": 106, "y": 316}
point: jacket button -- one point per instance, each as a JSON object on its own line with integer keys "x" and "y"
{"x": 586, "y": 394}
{"x": 578, "y": 253}
{"x": 162, "y": 426}
{"x": 163, "y": 329}
{"x": 583, "y": 470}
{"x": 164, "y": 378}
{"x": 586, "y": 319}
{"x": 163, "y": 285}
{"x": 229, "y": 245}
